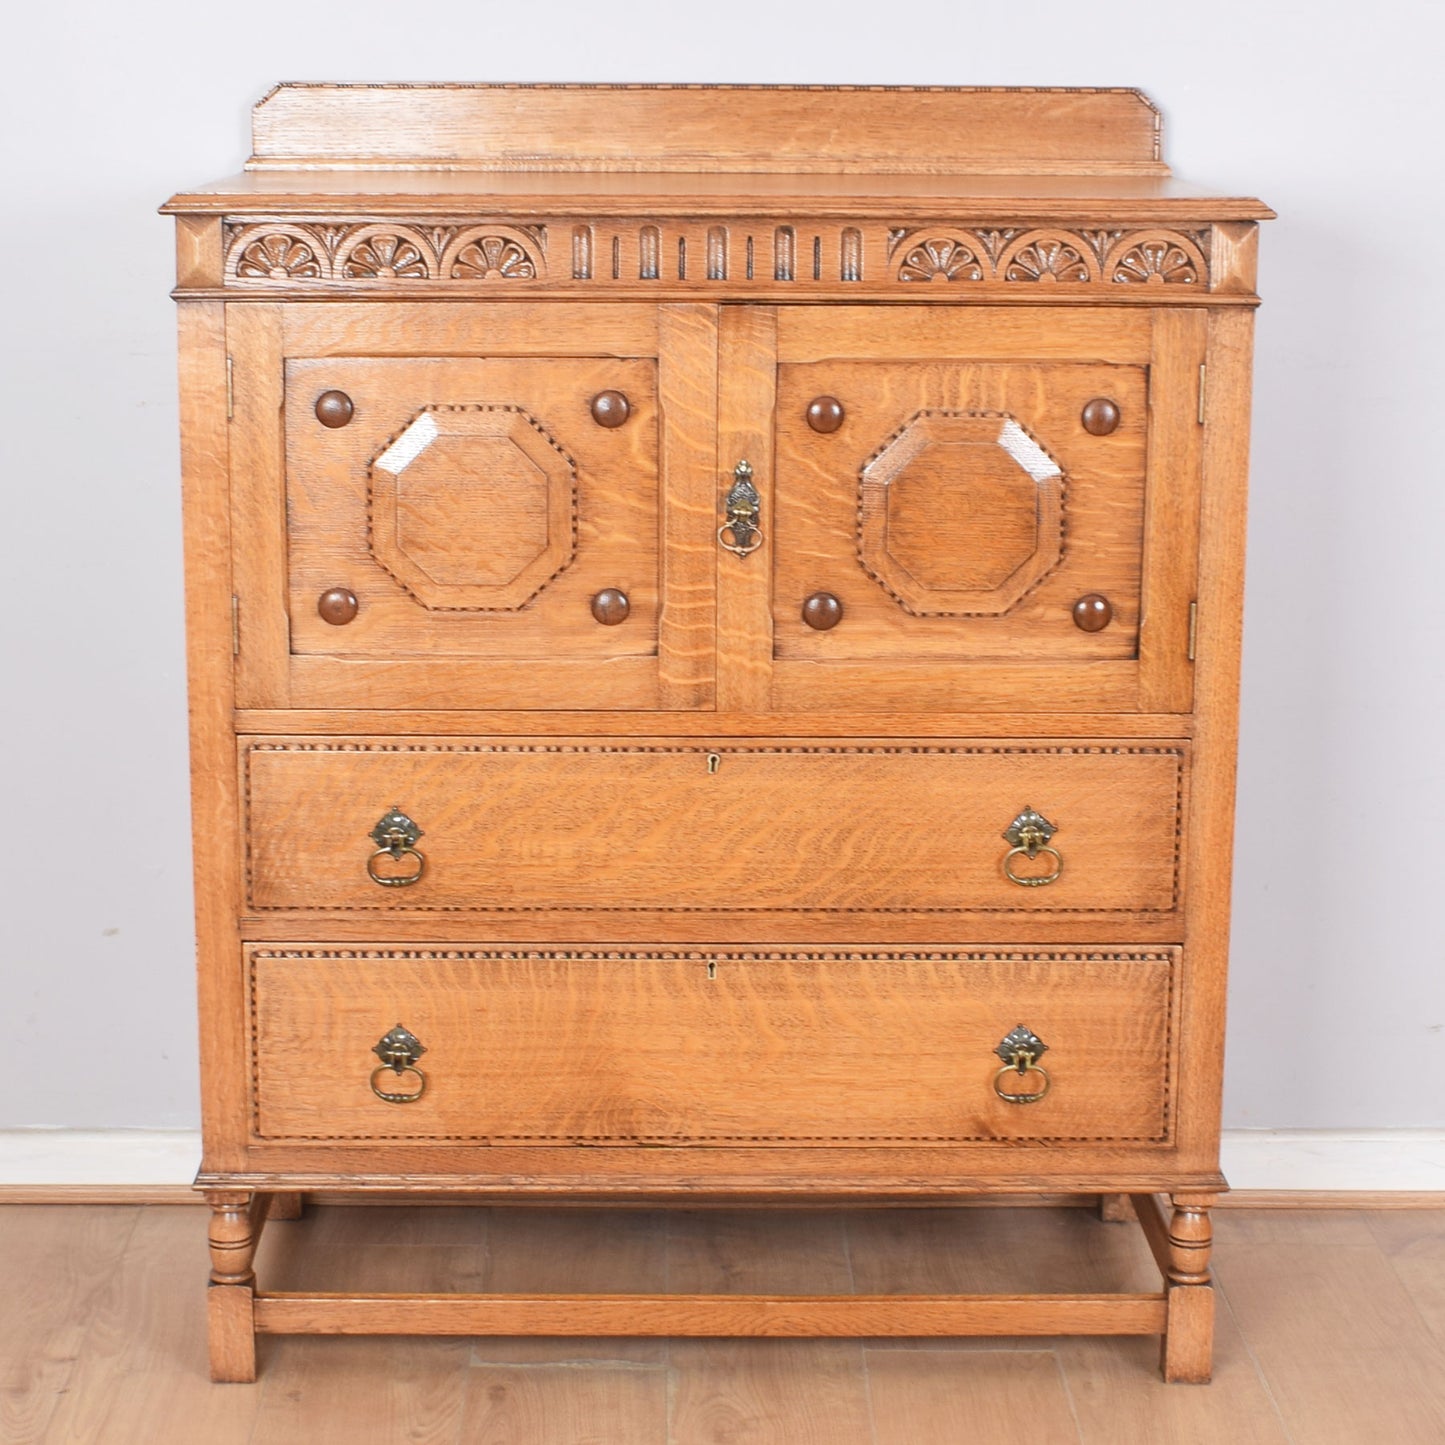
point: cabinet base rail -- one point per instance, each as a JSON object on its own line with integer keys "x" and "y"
{"x": 1182, "y": 1312}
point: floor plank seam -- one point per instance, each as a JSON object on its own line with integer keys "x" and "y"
{"x": 1221, "y": 1299}
{"x": 1068, "y": 1390}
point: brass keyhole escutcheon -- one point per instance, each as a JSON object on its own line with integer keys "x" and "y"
{"x": 334, "y": 409}
{"x": 1093, "y": 612}
{"x": 337, "y": 605}
{"x": 714, "y": 762}
{"x": 610, "y": 606}
{"x": 822, "y": 611}
{"x": 610, "y": 409}
{"x": 825, "y": 414}
{"x": 1100, "y": 416}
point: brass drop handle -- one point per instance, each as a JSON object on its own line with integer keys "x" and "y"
{"x": 740, "y": 533}
{"x": 1029, "y": 836}
{"x": 398, "y": 1050}
{"x": 1020, "y": 1049}
{"x": 395, "y": 837}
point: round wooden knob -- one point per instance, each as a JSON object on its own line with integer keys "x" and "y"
{"x": 610, "y": 408}
{"x": 334, "y": 408}
{"x": 337, "y": 606}
{"x": 610, "y": 606}
{"x": 1093, "y": 613}
{"x": 1100, "y": 416}
{"x": 825, "y": 414}
{"x": 822, "y": 611}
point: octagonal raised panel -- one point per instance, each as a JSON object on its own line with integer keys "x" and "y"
{"x": 473, "y": 507}
{"x": 960, "y": 514}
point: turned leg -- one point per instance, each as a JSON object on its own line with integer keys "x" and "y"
{"x": 1186, "y": 1356}
{"x": 236, "y": 1220}
{"x": 1116, "y": 1209}
{"x": 287, "y": 1205}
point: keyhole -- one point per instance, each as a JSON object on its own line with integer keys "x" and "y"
{"x": 714, "y": 762}
{"x": 712, "y": 968}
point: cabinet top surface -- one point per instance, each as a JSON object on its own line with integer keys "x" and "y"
{"x": 709, "y": 150}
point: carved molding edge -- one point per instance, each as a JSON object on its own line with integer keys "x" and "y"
{"x": 402, "y": 256}
{"x": 289, "y": 252}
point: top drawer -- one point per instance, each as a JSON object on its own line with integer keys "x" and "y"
{"x": 667, "y": 826}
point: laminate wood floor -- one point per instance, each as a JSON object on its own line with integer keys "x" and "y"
{"x": 1331, "y": 1331}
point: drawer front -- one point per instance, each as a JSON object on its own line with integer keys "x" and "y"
{"x": 666, "y": 826}
{"x": 724, "y": 1047}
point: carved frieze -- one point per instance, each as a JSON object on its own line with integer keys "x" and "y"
{"x": 402, "y": 256}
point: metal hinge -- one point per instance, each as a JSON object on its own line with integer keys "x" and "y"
{"x": 230, "y": 389}
{"x": 1193, "y": 627}
{"x": 1202, "y": 377}
{"x": 235, "y": 625}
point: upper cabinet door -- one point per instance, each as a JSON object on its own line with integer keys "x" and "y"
{"x": 973, "y": 508}
{"x": 468, "y": 507}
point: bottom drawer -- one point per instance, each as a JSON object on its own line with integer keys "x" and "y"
{"x": 714, "y": 1047}
{"x": 710, "y": 1046}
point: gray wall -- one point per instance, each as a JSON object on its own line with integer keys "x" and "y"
{"x": 1331, "y": 113}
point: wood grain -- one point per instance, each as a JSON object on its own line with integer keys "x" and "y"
{"x": 656, "y": 826}
{"x": 613, "y": 1047}
{"x": 58, "y": 1265}
{"x": 807, "y": 819}
{"x": 983, "y": 1397}
{"x": 691, "y": 128}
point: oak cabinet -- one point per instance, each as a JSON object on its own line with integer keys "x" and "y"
{"x": 713, "y": 623}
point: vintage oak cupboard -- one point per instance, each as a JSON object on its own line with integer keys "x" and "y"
{"x": 713, "y": 640}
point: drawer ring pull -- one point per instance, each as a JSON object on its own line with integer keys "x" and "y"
{"x": 1021, "y": 1049}
{"x": 1032, "y": 880}
{"x": 399, "y": 1049}
{"x": 395, "y": 836}
{"x": 1029, "y": 835}
{"x": 396, "y": 880}
{"x": 1024, "y": 1068}
{"x": 390, "y": 1096}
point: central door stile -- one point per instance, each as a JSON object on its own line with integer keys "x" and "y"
{"x": 747, "y": 400}
{"x": 687, "y": 362}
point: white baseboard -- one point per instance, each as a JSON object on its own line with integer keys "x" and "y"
{"x": 1307, "y": 1160}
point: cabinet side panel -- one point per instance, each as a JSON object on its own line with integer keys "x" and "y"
{"x": 1211, "y": 828}
{"x": 206, "y": 497}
